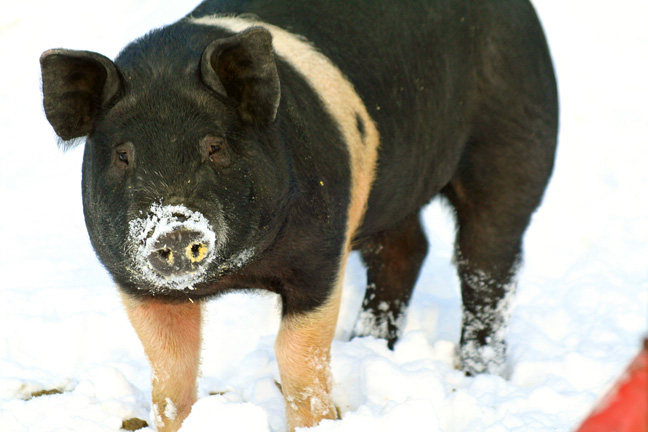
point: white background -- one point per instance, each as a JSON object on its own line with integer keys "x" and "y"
{"x": 580, "y": 314}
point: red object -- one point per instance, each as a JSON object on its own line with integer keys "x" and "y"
{"x": 625, "y": 407}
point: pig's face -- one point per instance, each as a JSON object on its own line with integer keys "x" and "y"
{"x": 184, "y": 178}
{"x": 169, "y": 183}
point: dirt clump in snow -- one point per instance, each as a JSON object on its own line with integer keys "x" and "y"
{"x": 133, "y": 424}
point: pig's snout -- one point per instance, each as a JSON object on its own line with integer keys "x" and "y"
{"x": 173, "y": 246}
{"x": 178, "y": 252}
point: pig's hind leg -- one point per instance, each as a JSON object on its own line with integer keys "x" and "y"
{"x": 393, "y": 259}
{"x": 501, "y": 177}
{"x": 498, "y": 185}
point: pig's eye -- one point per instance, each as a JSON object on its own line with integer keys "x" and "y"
{"x": 124, "y": 155}
{"x": 215, "y": 150}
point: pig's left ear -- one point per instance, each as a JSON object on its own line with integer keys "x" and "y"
{"x": 242, "y": 67}
{"x": 75, "y": 85}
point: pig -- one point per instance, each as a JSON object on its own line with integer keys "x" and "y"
{"x": 254, "y": 145}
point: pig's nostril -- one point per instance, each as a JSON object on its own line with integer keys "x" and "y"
{"x": 196, "y": 252}
{"x": 166, "y": 254}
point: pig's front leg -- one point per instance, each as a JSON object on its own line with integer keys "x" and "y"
{"x": 170, "y": 334}
{"x": 303, "y": 348}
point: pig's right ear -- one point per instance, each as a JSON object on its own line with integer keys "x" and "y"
{"x": 76, "y": 84}
{"x": 243, "y": 68}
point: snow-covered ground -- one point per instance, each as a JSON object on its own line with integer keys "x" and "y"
{"x": 580, "y": 314}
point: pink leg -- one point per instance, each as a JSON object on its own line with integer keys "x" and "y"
{"x": 303, "y": 350}
{"x": 170, "y": 334}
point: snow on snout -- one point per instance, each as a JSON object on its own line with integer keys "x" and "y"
{"x": 159, "y": 221}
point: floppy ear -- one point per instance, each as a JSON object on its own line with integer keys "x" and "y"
{"x": 75, "y": 85}
{"x": 242, "y": 67}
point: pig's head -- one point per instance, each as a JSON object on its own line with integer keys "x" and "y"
{"x": 184, "y": 177}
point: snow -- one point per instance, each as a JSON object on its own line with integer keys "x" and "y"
{"x": 171, "y": 412}
{"x": 580, "y": 312}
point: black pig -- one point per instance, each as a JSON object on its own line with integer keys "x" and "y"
{"x": 255, "y": 144}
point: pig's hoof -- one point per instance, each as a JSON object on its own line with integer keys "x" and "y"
{"x": 479, "y": 359}
{"x": 379, "y": 324}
